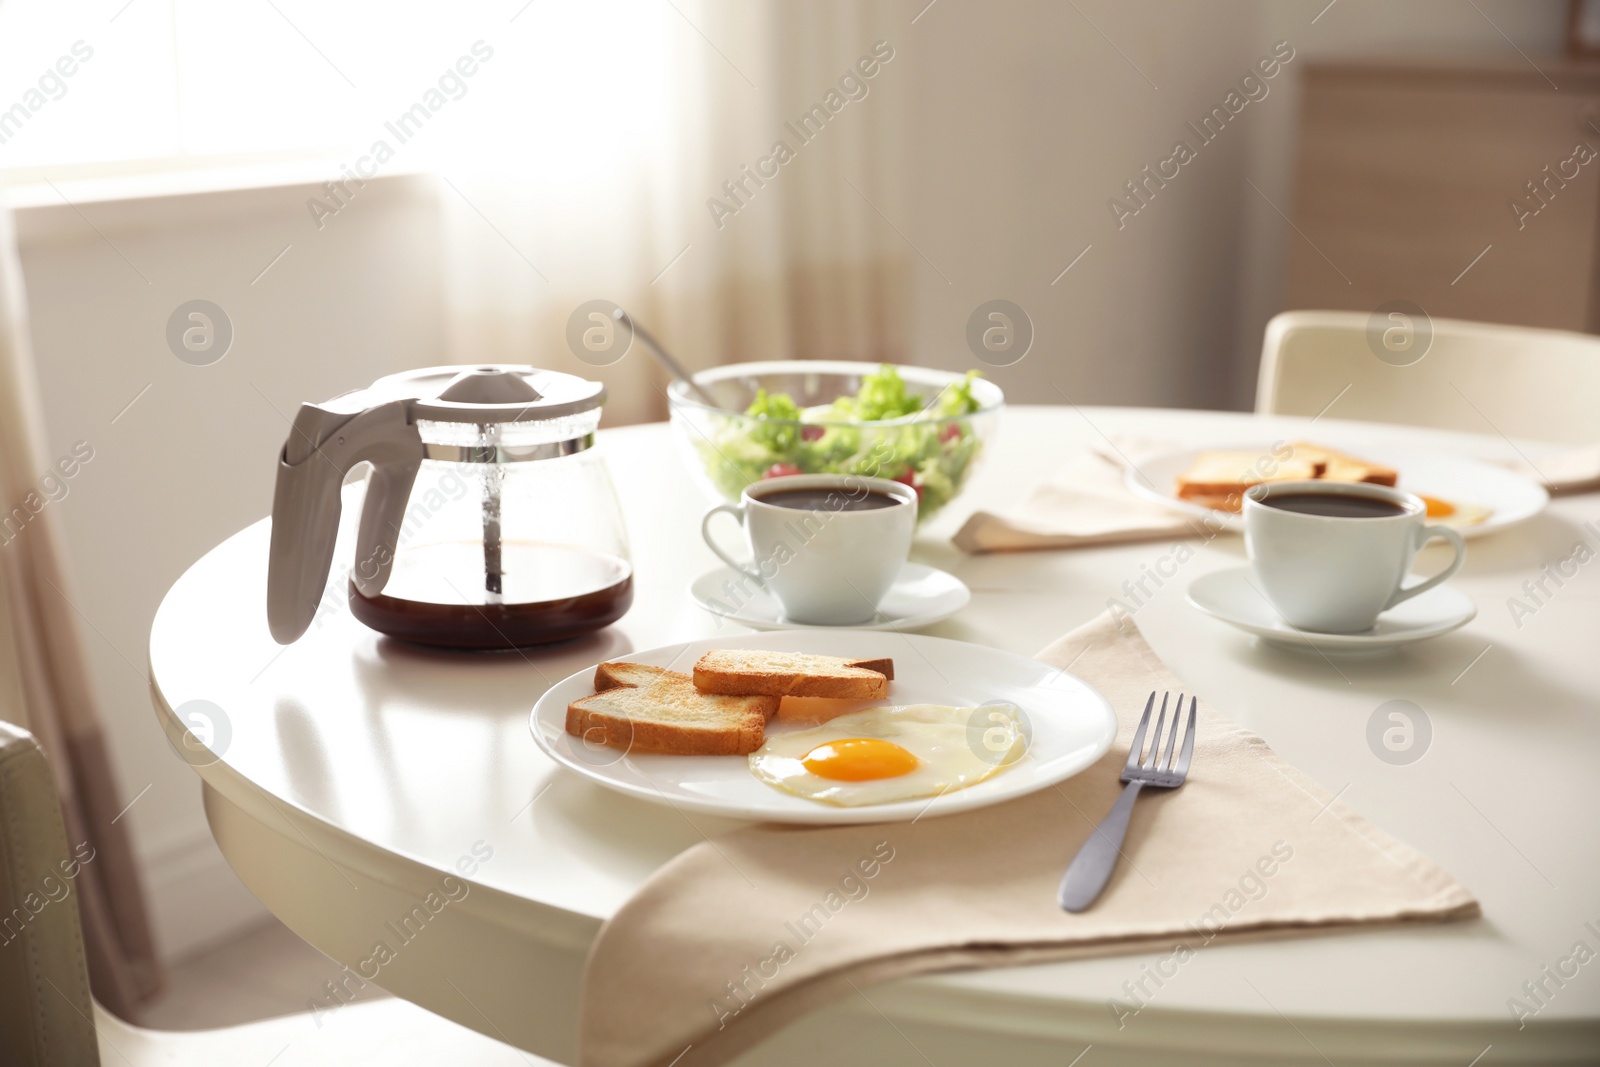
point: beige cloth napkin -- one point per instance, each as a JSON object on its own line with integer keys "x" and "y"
{"x": 736, "y": 937}
{"x": 1576, "y": 470}
{"x": 1084, "y": 504}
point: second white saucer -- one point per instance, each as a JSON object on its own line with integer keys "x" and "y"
{"x": 1235, "y": 597}
{"x": 920, "y": 596}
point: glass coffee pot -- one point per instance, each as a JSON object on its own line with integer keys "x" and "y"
{"x": 489, "y": 522}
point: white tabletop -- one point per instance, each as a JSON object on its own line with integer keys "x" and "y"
{"x": 417, "y": 754}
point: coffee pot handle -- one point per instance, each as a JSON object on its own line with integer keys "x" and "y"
{"x": 1424, "y": 535}
{"x": 323, "y": 446}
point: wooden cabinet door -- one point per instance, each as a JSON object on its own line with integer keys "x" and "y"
{"x": 1406, "y": 175}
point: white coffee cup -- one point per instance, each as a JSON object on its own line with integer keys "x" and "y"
{"x": 828, "y": 565}
{"x": 1337, "y": 574}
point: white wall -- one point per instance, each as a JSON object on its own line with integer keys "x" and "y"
{"x": 1030, "y": 122}
{"x": 1025, "y": 121}
{"x": 191, "y": 462}
{"x": 1029, "y": 119}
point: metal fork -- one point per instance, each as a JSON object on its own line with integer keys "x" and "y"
{"x": 1091, "y": 868}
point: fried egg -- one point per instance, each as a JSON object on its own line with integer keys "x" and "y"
{"x": 1450, "y": 513}
{"x": 882, "y": 755}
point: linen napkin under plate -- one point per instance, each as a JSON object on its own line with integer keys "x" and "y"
{"x": 1085, "y": 503}
{"x": 735, "y": 938}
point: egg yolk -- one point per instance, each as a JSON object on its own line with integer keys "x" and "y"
{"x": 859, "y": 759}
{"x": 1438, "y": 509}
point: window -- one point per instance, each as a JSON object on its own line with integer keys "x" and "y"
{"x": 144, "y": 84}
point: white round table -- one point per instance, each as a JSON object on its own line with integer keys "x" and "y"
{"x": 357, "y": 775}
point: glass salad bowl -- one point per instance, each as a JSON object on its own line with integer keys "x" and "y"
{"x": 927, "y": 428}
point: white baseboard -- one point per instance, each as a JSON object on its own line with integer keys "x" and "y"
{"x": 196, "y": 901}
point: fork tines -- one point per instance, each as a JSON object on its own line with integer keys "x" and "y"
{"x": 1155, "y": 761}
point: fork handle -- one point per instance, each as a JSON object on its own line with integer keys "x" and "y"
{"x": 1091, "y": 868}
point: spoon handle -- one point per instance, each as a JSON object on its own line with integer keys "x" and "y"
{"x": 665, "y": 357}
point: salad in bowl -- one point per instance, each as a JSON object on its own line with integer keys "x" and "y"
{"x": 926, "y": 428}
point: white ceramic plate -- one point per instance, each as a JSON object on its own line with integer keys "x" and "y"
{"x": 1235, "y": 597}
{"x": 1071, "y": 726}
{"x": 921, "y": 596}
{"x": 1510, "y": 497}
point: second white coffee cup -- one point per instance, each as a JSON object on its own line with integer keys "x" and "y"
{"x": 1332, "y": 556}
{"x": 828, "y": 546}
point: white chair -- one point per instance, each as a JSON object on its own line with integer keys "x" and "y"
{"x": 48, "y": 1018}
{"x": 1513, "y": 380}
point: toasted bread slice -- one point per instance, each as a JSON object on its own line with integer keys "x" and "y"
{"x": 652, "y": 709}
{"x": 1220, "y": 475}
{"x": 1338, "y": 467}
{"x": 1219, "y": 479}
{"x": 780, "y": 674}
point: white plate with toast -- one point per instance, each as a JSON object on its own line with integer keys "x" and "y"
{"x": 1476, "y": 498}
{"x": 1065, "y": 723}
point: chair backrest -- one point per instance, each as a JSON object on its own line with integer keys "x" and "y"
{"x": 1513, "y": 380}
{"x": 46, "y": 1015}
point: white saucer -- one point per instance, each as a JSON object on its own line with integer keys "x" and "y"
{"x": 920, "y": 596}
{"x": 1235, "y": 597}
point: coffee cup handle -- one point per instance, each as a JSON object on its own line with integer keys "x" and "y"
{"x": 737, "y": 511}
{"x": 1424, "y": 535}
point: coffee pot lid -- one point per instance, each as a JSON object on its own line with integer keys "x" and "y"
{"x": 481, "y": 393}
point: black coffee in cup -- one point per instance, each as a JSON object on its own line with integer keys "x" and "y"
{"x": 828, "y": 500}
{"x": 826, "y": 546}
{"x": 1334, "y": 505}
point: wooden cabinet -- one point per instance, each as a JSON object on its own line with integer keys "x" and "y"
{"x": 1408, "y": 172}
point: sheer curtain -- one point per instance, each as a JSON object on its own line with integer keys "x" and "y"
{"x": 44, "y": 679}
{"x": 606, "y": 180}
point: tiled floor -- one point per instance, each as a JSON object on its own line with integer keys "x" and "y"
{"x": 263, "y": 973}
